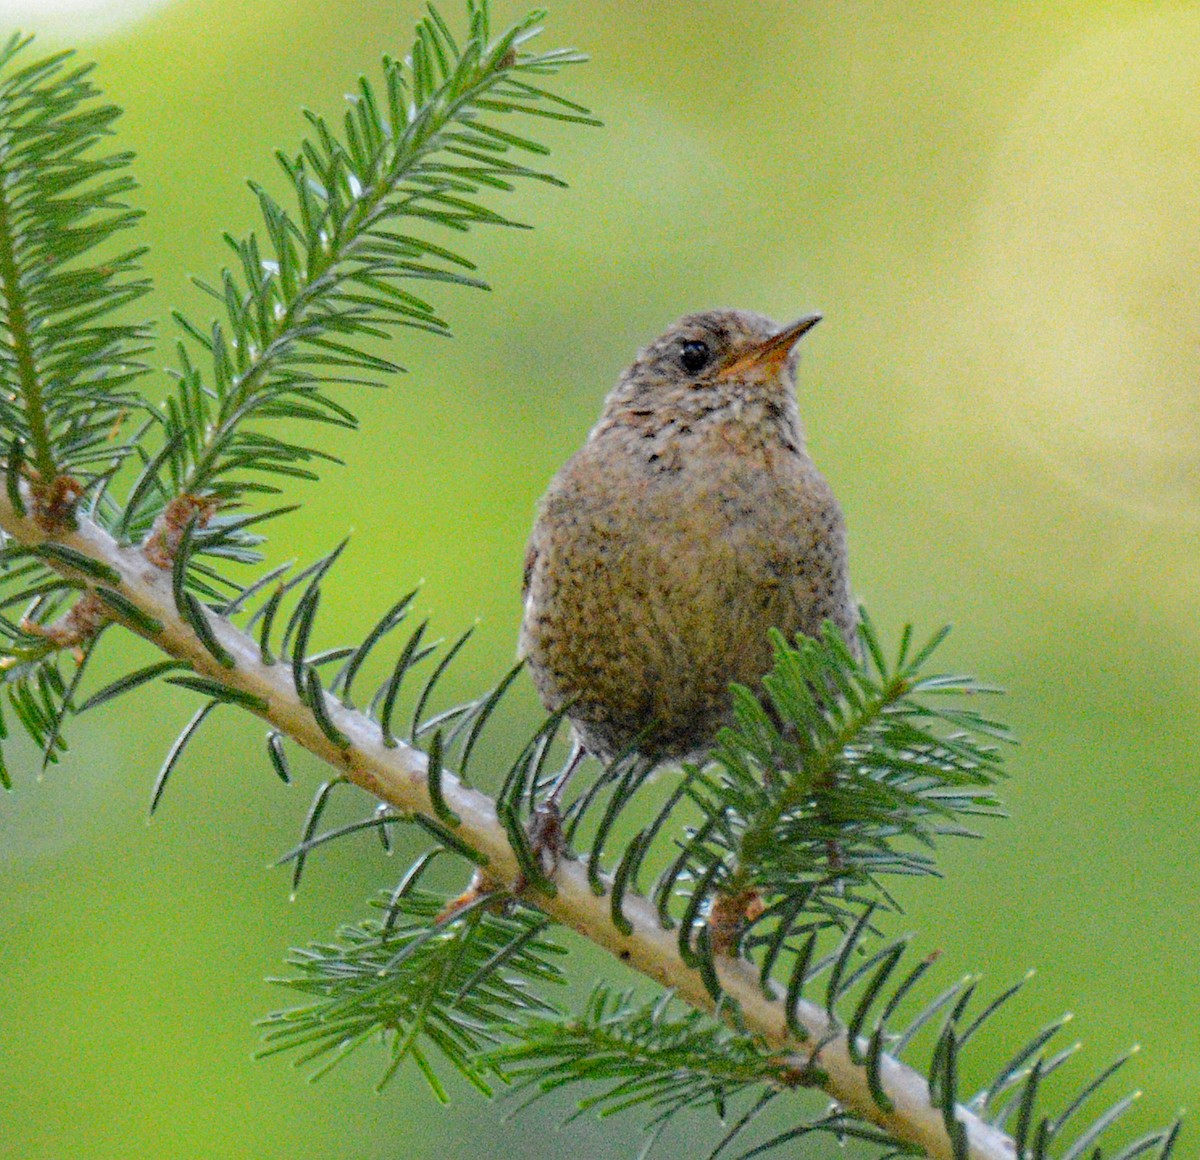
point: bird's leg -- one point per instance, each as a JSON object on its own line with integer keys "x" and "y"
{"x": 564, "y": 775}
{"x": 545, "y": 827}
{"x": 545, "y": 837}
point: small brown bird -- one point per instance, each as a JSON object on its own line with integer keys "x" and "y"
{"x": 690, "y": 522}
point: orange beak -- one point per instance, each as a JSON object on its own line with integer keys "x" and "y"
{"x": 771, "y": 353}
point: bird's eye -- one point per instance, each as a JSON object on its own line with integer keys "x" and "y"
{"x": 694, "y": 355}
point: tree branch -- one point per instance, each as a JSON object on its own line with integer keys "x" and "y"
{"x": 397, "y": 775}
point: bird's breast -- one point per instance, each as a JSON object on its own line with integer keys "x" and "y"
{"x": 654, "y": 585}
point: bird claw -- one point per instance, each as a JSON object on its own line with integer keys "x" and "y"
{"x": 547, "y": 841}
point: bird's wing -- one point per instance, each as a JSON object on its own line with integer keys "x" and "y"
{"x": 531, "y": 555}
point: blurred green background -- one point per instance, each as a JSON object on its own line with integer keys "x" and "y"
{"x": 996, "y": 205}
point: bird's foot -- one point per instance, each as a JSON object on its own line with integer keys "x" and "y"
{"x": 547, "y": 841}
{"x": 547, "y": 838}
{"x": 547, "y": 845}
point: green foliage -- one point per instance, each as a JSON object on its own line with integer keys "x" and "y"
{"x": 836, "y": 775}
{"x": 844, "y": 773}
{"x": 337, "y": 269}
{"x": 328, "y": 278}
{"x": 418, "y": 980}
{"x": 67, "y": 366}
{"x": 653, "y": 1058}
{"x": 647, "y": 1055}
{"x": 897, "y": 768}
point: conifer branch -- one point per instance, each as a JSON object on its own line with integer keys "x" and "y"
{"x": 398, "y": 776}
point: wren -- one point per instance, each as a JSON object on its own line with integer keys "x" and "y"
{"x": 691, "y": 521}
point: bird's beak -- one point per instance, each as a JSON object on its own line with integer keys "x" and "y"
{"x": 771, "y": 353}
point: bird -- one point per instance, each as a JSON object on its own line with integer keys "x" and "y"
{"x": 690, "y": 523}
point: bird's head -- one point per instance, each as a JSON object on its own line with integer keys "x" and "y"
{"x": 712, "y": 357}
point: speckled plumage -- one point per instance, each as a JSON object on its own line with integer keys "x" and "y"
{"x": 690, "y": 522}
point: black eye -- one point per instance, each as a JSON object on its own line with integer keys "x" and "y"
{"x": 694, "y": 355}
